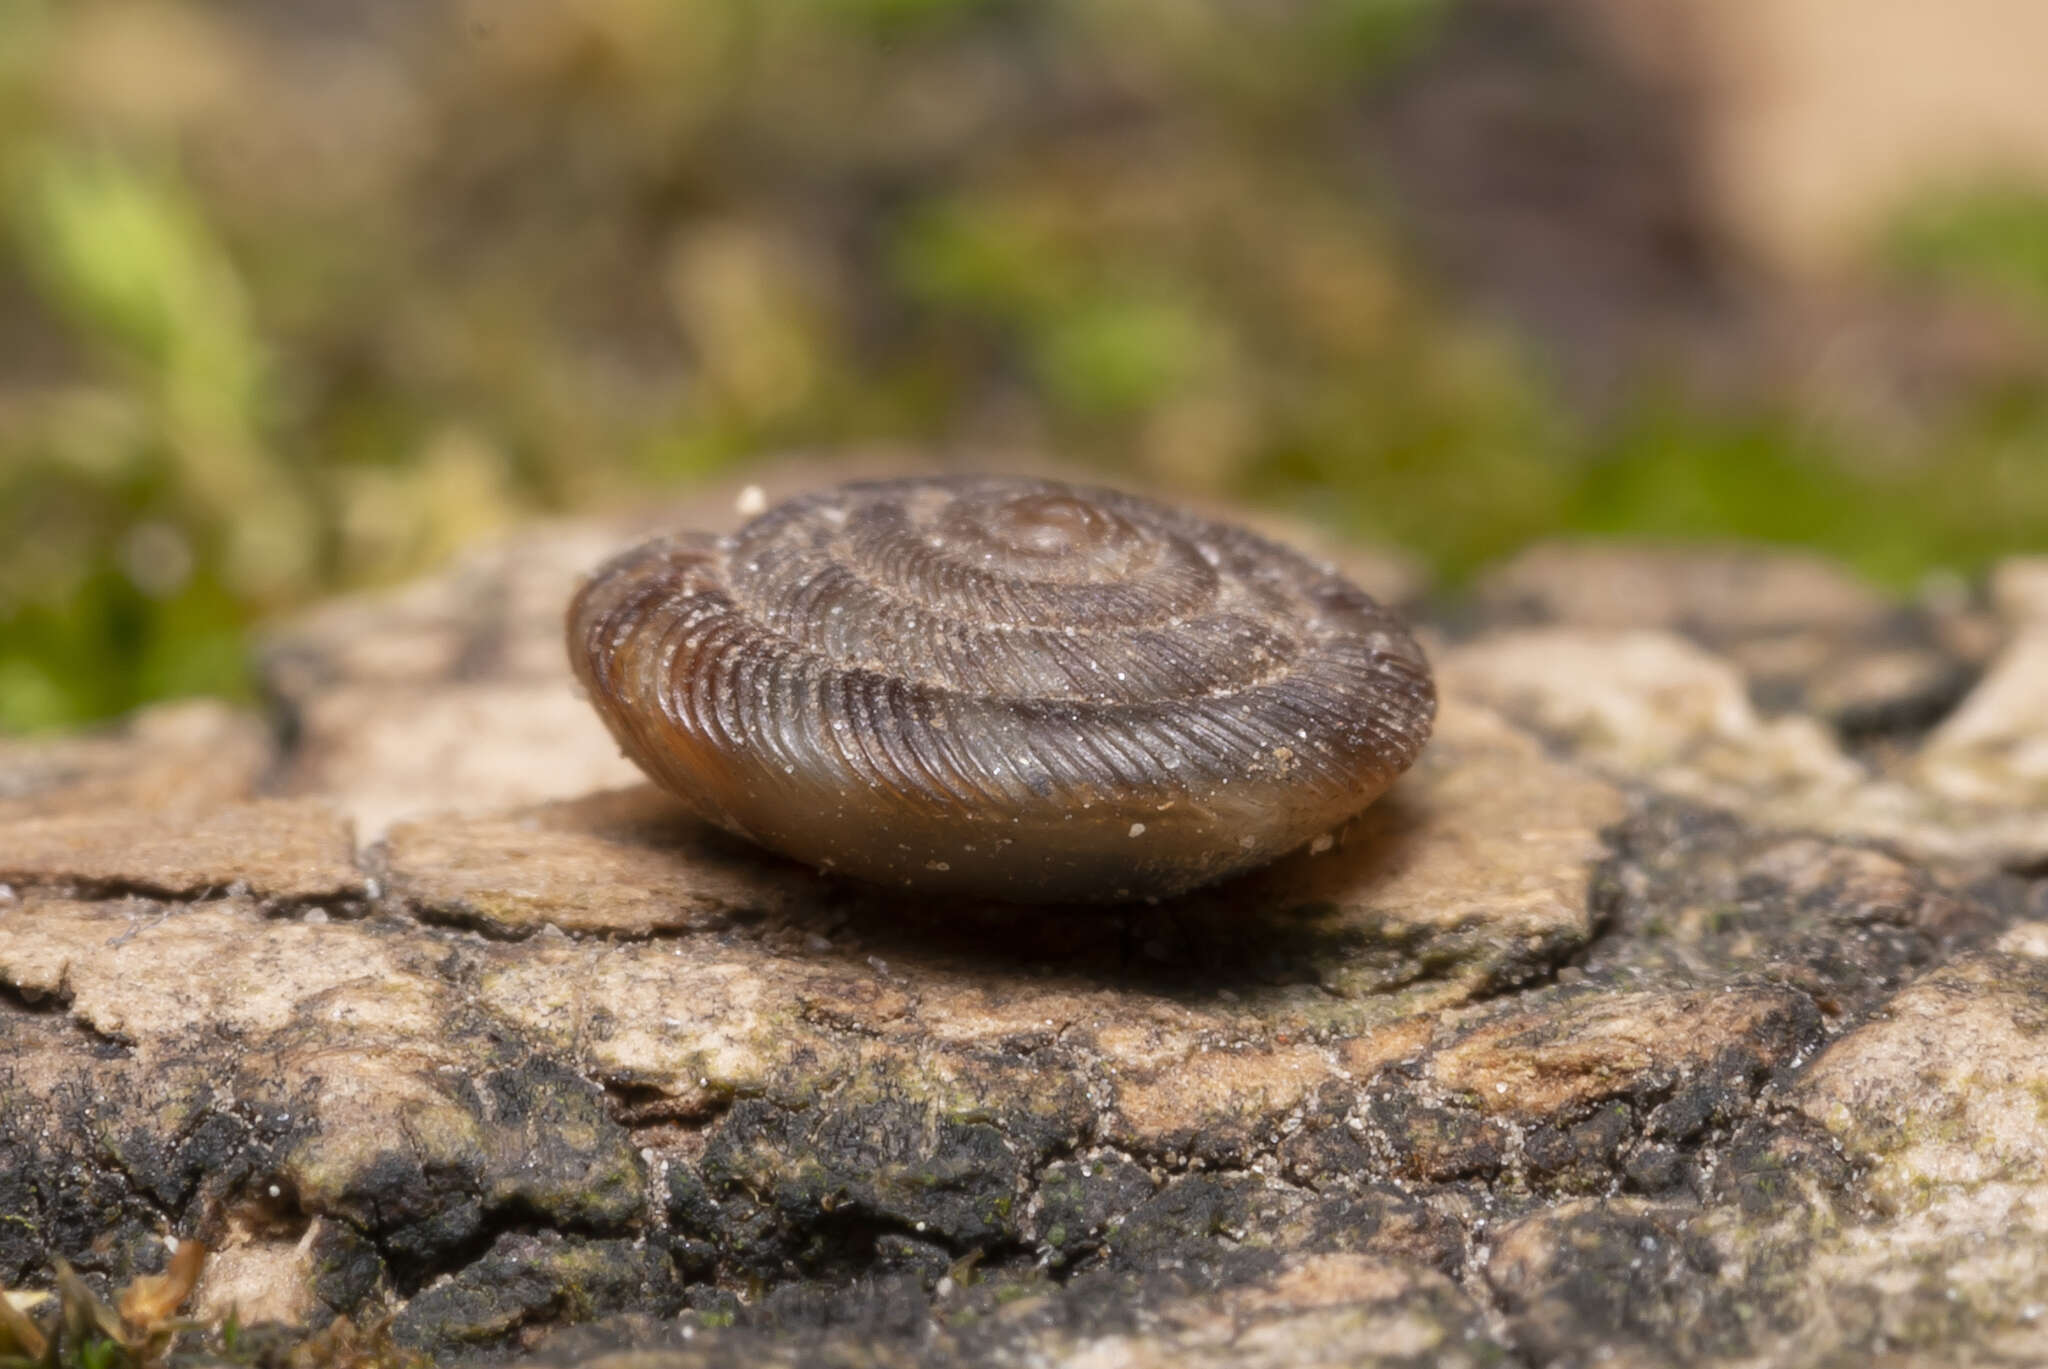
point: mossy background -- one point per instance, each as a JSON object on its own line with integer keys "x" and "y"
{"x": 301, "y": 296}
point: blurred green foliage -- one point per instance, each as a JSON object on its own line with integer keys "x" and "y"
{"x": 298, "y": 296}
{"x": 1994, "y": 238}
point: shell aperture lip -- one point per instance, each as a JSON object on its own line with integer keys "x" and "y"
{"x": 1003, "y": 687}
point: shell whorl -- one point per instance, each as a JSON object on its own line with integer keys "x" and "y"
{"x": 1007, "y": 687}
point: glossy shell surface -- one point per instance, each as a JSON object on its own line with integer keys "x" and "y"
{"x": 1003, "y": 687}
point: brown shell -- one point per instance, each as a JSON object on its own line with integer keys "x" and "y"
{"x": 1004, "y": 687}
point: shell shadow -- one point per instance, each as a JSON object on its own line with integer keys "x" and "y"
{"x": 1314, "y": 920}
{"x": 1307, "y": 921}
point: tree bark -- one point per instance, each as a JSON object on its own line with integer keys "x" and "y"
{"x": 1688, "y": 1004}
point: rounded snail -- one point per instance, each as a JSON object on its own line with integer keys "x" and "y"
{"x": 1004, "y": 687}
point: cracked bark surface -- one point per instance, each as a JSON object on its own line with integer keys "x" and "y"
{"x": 1687, "y": 1005}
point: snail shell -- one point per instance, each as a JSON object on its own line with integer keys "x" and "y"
{"x": 1004, "y": 687}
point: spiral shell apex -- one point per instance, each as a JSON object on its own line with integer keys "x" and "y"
{"x": 1004, "y": 687}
